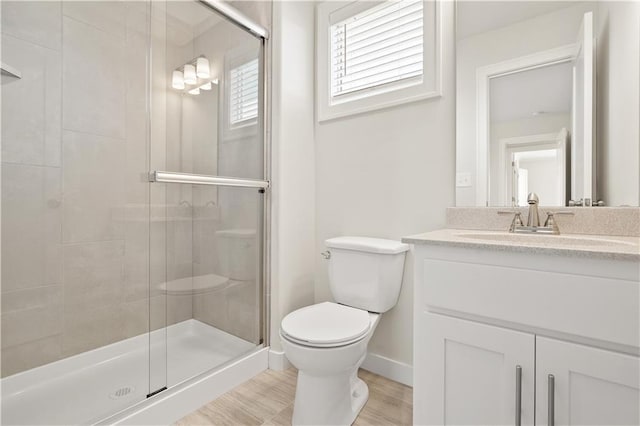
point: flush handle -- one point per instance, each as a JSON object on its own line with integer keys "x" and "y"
{"x": 326, "y": 254}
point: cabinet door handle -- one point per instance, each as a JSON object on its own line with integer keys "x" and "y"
{"x": 518, "y": 395}
{"x": 551, "y": 421}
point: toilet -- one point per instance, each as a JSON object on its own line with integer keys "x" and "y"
{"x": 327, "y": 342}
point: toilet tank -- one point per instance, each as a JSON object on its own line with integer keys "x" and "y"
{"x": 366, "y": 273}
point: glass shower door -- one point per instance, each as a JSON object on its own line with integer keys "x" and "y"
{"x": 208, "y": 305}
{"x": 207, "y": 192}
{"x": 114, "y": 287}
{"x": 75, "y": 230}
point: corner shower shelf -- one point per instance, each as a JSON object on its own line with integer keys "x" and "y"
{"x": 194, "y": 285}
{"x": 9, "y": 71}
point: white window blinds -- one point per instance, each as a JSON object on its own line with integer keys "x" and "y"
{"x": 243, "y": 93}
{"x": 382, "y": 45}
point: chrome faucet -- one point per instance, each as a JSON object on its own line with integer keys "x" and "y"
{"x": 534, "y": 216}
{"x": 533, "y": 219}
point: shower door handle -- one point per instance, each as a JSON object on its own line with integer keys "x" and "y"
{"x": 192, "y": 179}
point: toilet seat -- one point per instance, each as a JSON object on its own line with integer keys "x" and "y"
{"x": 326, "y": 324}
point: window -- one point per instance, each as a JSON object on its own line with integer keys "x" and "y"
{"x": 243, "y": 94}
{"x": 373, "y": 55}
{"x": 240, "y": 100}
{"x": 381, "y": 45}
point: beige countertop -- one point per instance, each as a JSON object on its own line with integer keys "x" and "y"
{"x": 572, "y": 245}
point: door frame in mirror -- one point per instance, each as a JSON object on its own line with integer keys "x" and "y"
{"x": 557, "y": 141}
{"x": 483, "y": 79}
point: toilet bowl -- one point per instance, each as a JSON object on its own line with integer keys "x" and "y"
{"x": 327, "y": 357}
{"x": 327, "y": 342}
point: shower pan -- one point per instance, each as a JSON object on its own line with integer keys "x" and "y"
{"x": 134, "y": 196}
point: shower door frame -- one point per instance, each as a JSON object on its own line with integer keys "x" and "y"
{"x": 262, "y": 34}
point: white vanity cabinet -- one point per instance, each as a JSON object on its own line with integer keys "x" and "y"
{"x": 590, "y": 386}
{"x": 491, "y": 326}
{"x": 472, "y": 373}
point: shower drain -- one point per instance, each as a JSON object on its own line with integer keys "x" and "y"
{"x": 122, "y": 392}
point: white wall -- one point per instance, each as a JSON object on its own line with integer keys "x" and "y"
{"x": 388, "y": 173}
{"x": 534, "y": 35}
{"x": 543, "y": 178}
{"x": 618, "y": 49}
{"x": 293, "y": 192}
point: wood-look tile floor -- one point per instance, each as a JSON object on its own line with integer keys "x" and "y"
{"x": 267, "y": 399}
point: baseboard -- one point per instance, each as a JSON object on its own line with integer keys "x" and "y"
{"x": 383, "y": 366}
{"x": 389, "y": 368}
{"x": 278, "y": 360}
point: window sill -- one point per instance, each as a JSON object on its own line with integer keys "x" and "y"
{"x": 371, "y": 105}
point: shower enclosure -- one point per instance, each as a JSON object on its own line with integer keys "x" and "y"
{"x": 134, "y": 181}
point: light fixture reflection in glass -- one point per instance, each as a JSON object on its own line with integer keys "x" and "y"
{"x": 206, "y": 86}
{"x": 202, "y": 68}
{"x": 195, "y": 91}
{"x": 177, "y": 80}
{"x": 190, "y": 74}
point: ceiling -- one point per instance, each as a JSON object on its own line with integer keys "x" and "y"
{"x": 193, "y": 15}
{"x": 475, "y": 17}
{"x": 520, "y": 95}
{"x": 540, "y": 154}
{"x": 190, "y": 13}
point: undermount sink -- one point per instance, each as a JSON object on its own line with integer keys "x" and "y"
{"x": 555, "y": 240}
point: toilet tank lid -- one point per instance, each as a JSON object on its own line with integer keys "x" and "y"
{"x": 366, "y": 244}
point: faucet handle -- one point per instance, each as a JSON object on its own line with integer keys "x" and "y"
{"x": 561, "y": 212}
{"x": 517, "y": 219}
{"x": 551, "y": 222}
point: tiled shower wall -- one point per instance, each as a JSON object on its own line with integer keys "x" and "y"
{"x": 78, "y": 217}
{"x": 75, "y": 219}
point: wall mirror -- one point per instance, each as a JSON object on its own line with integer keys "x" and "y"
{"x": 527, "y": 97}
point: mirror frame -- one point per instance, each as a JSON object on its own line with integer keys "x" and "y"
{"x": 569, "y": 52}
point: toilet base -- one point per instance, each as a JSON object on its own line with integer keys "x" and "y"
{"x": 329, "y": 391}
{"x": 329, "y": 400}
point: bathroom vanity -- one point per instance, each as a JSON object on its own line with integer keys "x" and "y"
{"x": 526, "y": 329}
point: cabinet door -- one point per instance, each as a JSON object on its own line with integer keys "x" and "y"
{"x": 466, "y": 373}
{"x": 590, "y": 386}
